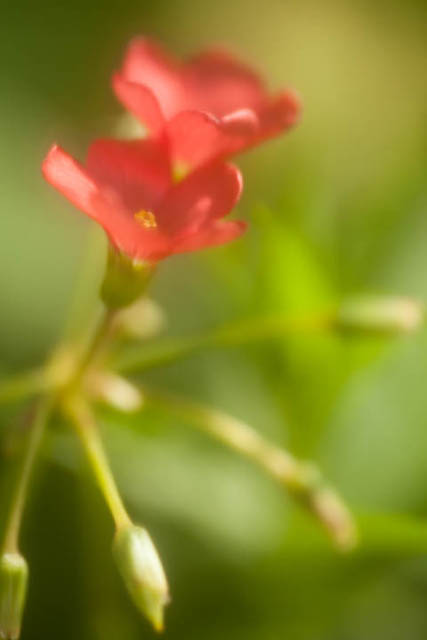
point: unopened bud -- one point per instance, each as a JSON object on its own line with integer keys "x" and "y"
{"x": 380, "y": 315}
{"x": 141, "y": 569}
{"x": 143, "y": 319}
{"x": 116, "y": 391}
{"x": 13, "y": 589}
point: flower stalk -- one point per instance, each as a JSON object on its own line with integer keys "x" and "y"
{"x": 81, "y": 417}
{"x": 303, "y": 480}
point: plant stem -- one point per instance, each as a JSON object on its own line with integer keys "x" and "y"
{"x": 302, "y": 480}
{"x": 99, "y": 341}
{"x": 83, "y": 420}
{"x": 241, "y": 332}
{"x": 22, "y": 386}
{"x": 40, "y": 418}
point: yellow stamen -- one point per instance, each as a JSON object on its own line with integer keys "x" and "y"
{"x": 146, "y": 219}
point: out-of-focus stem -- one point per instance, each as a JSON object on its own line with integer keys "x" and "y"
{"x": 83, "y": 420}
{"x": 23, "y": 386}
{"x": 302, "y": 480}
{"x": 40, "y": 418}
{"x": 233, "y": 334}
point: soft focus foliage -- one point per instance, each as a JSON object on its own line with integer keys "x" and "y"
{"x": 338, "y": 206}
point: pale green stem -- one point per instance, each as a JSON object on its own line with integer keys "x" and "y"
{"x": 22, "y": 386}
{"x": 13, "y": 525}
{"x": 83, "y": 420}
{"x": 302, "y": 480}
{"x": 253, "y": 330}
{"x": 99, "y": 341}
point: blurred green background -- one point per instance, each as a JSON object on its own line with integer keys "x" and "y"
{"x": 337, "y": 207}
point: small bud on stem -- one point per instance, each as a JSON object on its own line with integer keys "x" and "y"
{"x": 380, "y": 315}
{"x": 141, "y": 569}
{"x": 13, "y": 589}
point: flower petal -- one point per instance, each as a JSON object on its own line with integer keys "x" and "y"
{"x": 146, "y": 63}
{"x": 196, "y": 138}
{"x": 138, "y": 170}
{"x": 281, "y": 113}
{"x": 217, "y": 233}
{"x": 222, "y": 84}
{"x": 140, "y": 101}
{"x": 71, "y": 179}
{"x": 104, "y": 205}
{"x": 206, "y": 194}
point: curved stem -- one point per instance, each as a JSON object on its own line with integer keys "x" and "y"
{"x": 83, "y": 420}
{"x": 40, "y": 418}
{"x": 302, "y": 480}
{"x": 233, "y": 334}
{"x": 22, "y": 386}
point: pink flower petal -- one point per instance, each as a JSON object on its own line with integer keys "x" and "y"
{"x": 140, "y": 101}
{"x": 146, "y": 63}
{"x": 217, "y": 233}
{"x": 222, "y": 84}
{"x": 196, "y": 138}
{"x": 280, "y": 113}
{"x": 71, "y": 179}
{"x": 206, "y": 194}
{"x": 138, "y": 170}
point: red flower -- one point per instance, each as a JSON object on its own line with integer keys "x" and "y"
{"x": 127, "y": 187}
{"x": 210, "y": 107}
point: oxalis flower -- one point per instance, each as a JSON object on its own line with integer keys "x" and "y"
{"x": 128, "y": 188}
{"x": 208, "y": 107}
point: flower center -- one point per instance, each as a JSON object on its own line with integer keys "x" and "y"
{"x": 146, "y": 219}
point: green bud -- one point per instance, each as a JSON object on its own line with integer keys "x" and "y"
{"x": 141, "y": 569}
{"x": 13, "y": 589}
{"x": 142, "y": 320}
{"x": 380, "y": 315}
{"x": 125, "y": 279}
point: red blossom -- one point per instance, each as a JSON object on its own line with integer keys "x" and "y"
{"x": 210, "y": 106}
{"x": 128, "y": 188}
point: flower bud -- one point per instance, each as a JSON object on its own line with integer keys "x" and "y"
{"x": 13, "y": 588}
{"x": 125, "y": 279}
{"x": 142, "y": 572}
{"x": 142, "y": 320}
{"x": 116, "y": 391}
{"x": 380, "y": 315}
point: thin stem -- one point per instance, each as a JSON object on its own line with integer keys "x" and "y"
{"x": 40, "y": 418}
{"x": 302, "y": 480}
{"x": 83, "y": 420}
{"x": 233, "y": 334}
{"x": 22, "y": 386}
{"x": 99, "y": 340}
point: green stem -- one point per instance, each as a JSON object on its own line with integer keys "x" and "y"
{"x": 98, "y": 342}
{"x": 22, "y": 386}
{"x": 82, "y": 418}
{"x": 253, "y": 330}
{"x": 41, "y": 415}
{"x": 302, "y": 480}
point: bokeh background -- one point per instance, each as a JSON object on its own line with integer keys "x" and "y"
{"x": 337, "y": 207}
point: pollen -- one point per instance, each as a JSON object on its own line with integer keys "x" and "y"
{"x": 146, "y": 219}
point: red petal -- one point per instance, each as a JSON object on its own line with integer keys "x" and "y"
{"x": 146, "y": 63}
{"x": 206, "y": 194}
{"x": 281, "y": 113}
{"x": 138, "y": 170}
{"x": 223, "y": 84}
{"x": 196, "y": 138}
{"x": 219, "y": 232}
{"x": 242, "y": 122}
{"x": 103, "y": 205}
{"x": 71, "y": 179}
{"x": 140, "y": 101}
